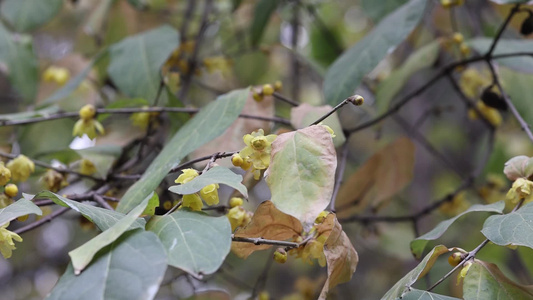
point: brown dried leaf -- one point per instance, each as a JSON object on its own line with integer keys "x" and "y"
{"x": 269, "y": 223}
{"x": 386, "y": 173}
{"x": 340, "y": 254}
{"x": 231, "y": 139}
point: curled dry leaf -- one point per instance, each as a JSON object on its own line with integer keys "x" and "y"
{"x": 302, "y": 172}
{"x": 340, "y": 254}
{"x": 269, "y": 223}
{"x": 518, "y": 167}
{"x": 386, "y": 173}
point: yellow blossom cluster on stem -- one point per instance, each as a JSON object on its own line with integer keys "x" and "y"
{"x": 522, "y": 189}
{"x": 314, "y": 247}
{"x": 456, "y": 206}
{"x": 237, "y": 215}
{"x": 87, "y": 124}
{"x": 21, "y": 168}
{"x": 256, "y": 154}
{"x": 266, "y": 90}
{"x": 56, "y": 74}
{"x": 6, "y": 241}
{"x": 208, "y": 193}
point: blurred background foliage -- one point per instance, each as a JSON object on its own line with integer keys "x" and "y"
{"x": 102, "y": 44}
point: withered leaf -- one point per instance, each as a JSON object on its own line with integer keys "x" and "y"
{"x": 269, "y": 223}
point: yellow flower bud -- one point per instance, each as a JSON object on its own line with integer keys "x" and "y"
{"x": 236, "y": 217}
{"x": 5, "y": 174}
{"x": 465, "y": 50}
{"x": 237, "y": 160}
{"x": 257, "y": 96}
{"x": 87, "y": 167}
{"x": 458, "y": 38}
{"x": 5, "y": 200}
{"x": 268, "y": 90}
{"x": 53, "y": 180}
{"x": 11, "y": 190}
{"x": 278, "y": 85}
{"x": 280, "y": 255}
{"x": 455, "y": 258}
{"x": 357, "y": 100}
{"x": 235, "y": 201}
{"x": 56, "y": 74}
{"x": 87, "y": 112}
{"x": 321, "y": 217}
{"x": 21, "y": 167}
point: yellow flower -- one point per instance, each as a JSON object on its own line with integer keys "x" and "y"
{"x": 236, "y": 217}
{"x": 491, "y": 114}
{"x": 90, "y": 127}
{"x": 257, "y": 150}
{"x": 5, "y": 200}
{"x": 215, "y": 63}
{"x": 186, "y": 176}
{"x": 21, "y": 167}
{"x": 6, "y": 241}
{"x": 280, "y": 255}
{"x": 456, "y": 206}
{"x": 314, "y": 249}
{"x": 331, "y": 132}
{"x": 193, "y": 202}
{"x": 87, "y": 112}
{"x": 141, "y": 119}
{"x": 235, "y": 201}
{"x": 210, "y": 194}
{"x": 472, "y": 82}
{"x": 521, "y": 189}
{"x": 56, "y": 74}
{"x": 54, "y": 181}
{"x": 5, "y": 174}
{"x": 87, "y": 167}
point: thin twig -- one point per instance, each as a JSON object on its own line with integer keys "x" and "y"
{"x": 261, "y": 241}
{"x": 340, "y": 174}
{"x": 279, "y": 96}
{"x": 513, "y": 11}
{"x": 42, "y": 221}
{"x": 207, "y": 157}
{"x": 98, "y": 198}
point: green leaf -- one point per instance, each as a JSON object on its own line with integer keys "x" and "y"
{"x": 220, "y": 175}
{"x": 302, "y": 172}
{"x": 84, "y": 254}
{"x": 209, "y": 123}
{"x": 132, "y": 267}
{"x": 19, "y": 208}
{"x": 421, "y": 59}
{"x": 403, "y": 285}
{"x": 506, "y": 46}
{"x": 25, "y": 15}
{"x": 376, "y": 10}
{"x": 485, "y": 281}
{"x": 136, "y": 61}
{"x": 23, "y": 67}
{"x": 418, "y": 245}
{"x": 152, "y": 204}
{"x": 73, "y": 84}
{"x": 195, "y": 242}
{"x": 514, "y": 228}
{"x": 263, "y": 11}
{"x": 103, "y": 218}
{"x": 346, "y": 73}
{"x": 415, "y": 294}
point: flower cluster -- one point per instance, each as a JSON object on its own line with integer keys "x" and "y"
{"x": 314, "y": 247}
{"x": 237, "y": 215}
{"x": 256, "y": 154}
{"x": 521, "y": 189}
{"x": 87, "y": 124}
{"x": 21, "y": 168}
{"x": 208, "y": 193}
{"x": 6, "y": 241}
{"x": 266, "y": 90}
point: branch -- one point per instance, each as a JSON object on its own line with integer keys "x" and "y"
{"x": 207, "y": 157}
{"x": 41, "y": 221}
{"x": 340, "y": 174}
{"x": 261, "y": 241}
{"x": 513, "y": 11}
